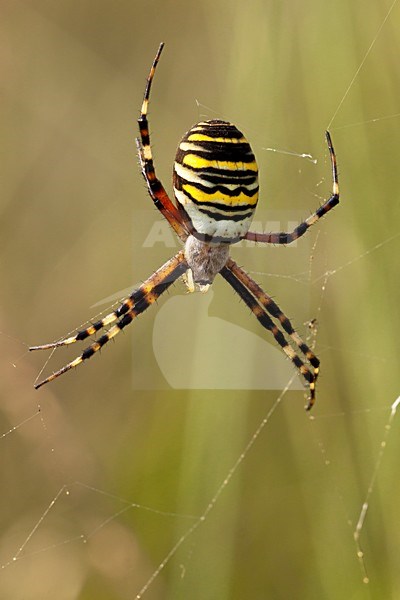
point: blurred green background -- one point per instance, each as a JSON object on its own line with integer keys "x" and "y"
{"x": 73, "y": 75}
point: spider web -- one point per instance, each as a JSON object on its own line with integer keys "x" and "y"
{"x": 31, "y": 543}
{"x": 191, "y": 523}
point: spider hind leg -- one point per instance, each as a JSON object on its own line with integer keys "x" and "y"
{"x": 283, "y": 237}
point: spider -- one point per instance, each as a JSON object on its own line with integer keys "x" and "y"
{"x": 215, "y": 180}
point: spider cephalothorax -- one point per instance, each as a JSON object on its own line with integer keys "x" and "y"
{"x": 216, "y": 188}
{"x": 205, "y": 259}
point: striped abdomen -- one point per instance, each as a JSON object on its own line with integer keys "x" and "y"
{"x": 216, "y": 180}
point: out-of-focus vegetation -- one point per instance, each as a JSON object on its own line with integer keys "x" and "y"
{"x": 73, "y": 75}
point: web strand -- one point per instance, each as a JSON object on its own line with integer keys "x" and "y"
{"x": 361, "y": 64}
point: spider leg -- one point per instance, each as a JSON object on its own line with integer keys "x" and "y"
{"x": 287, "y": 238}
{"x": 274, "y": 310}
{"x": 154, "y": 185}
{"x": 130, "y": 308}
{"x": 126, "y": 305}
{"x": 261, "y": 304}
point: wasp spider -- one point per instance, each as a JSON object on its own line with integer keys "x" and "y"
{"x": 216, "y": 190}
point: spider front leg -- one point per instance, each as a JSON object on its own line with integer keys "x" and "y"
{"x": 261, "y": 304}
{"x": 283, "y": 237}
{"x": 130, "y": 308}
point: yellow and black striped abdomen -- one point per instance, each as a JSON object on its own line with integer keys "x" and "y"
{"x": 216, "y": 180}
